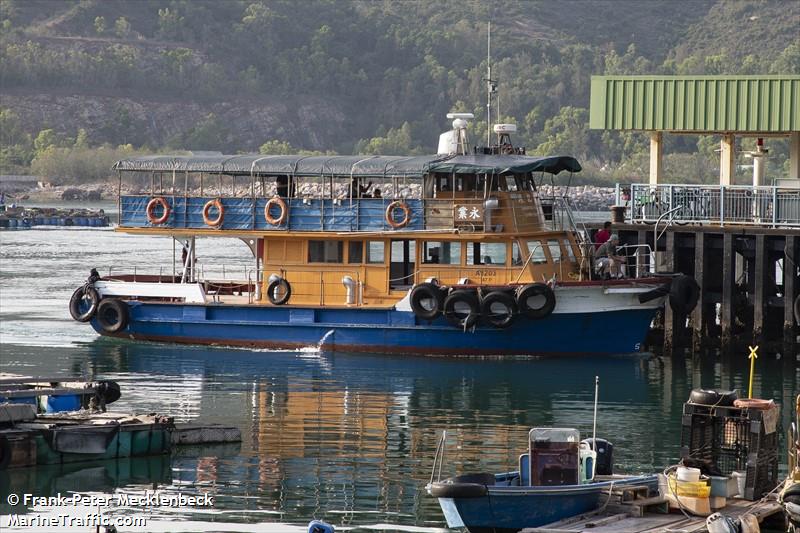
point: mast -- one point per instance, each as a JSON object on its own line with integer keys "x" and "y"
{"x": 489, "y": 85}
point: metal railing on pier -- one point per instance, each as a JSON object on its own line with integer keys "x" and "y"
{"x": 766, "y": 206}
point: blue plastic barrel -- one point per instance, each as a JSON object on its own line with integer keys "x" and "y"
{"x": 68, "y": 402}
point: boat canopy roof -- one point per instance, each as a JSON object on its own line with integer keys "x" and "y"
{"x": 348, "y": 165}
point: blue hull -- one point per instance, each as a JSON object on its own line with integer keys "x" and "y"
{"x": 382, "y": 330}
{"x": 513, "y": 508}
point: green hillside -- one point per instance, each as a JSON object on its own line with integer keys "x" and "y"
{"x": 368, "y": 77}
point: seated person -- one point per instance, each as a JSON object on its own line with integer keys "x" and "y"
{"x": 376, "y": 193}
{"x": 602, "y": 236}
{"x": 608, "y": 262}
{"x": 487, "y": 260}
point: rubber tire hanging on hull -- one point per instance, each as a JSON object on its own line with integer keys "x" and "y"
{"x": 427, "y": 292}
{"x": 75, "y": 301}
{"x": 287, "y": 291}
{"x": 536, "y": 289}
{"x": 454, "y": 316}
{"x": 683, "y": 294}
{"x": 724, "y": 398}
{"x": 463, "y": 486}
{"x": 797, "y": 309}
{"x": 503, "y": 320}
{"x": 112, "y": 315}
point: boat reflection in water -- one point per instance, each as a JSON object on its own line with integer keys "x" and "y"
{"x": 350, "y": 439}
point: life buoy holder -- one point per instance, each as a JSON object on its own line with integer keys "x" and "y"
{"x": 151, "y": 210}
{"x": 397, "y": 204}
{"x": 213, "y": 222}
{"x": 275, "y": 221}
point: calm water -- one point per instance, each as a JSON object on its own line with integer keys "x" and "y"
{"x": 345, "y": 438}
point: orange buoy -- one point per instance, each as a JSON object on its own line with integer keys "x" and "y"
{"x": 397, "y": 204}
{"x": 213, "y": 222}
{"x": 151, "y": 210}
{"x": 275, "y": 221}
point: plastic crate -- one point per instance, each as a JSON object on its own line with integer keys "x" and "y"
{"x": 732, "y": 439}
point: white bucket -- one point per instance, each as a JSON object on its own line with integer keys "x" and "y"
{"x": 688, "y": 474}
{"x": 741, "y": 479}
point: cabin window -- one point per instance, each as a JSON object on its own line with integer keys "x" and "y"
{"x": 325, "y": 251}
{"x": 536, "y": 250}
{"x": 355, "y": 252}
{"x": 516, "y": 254}
{"x": 555, "y": 250}
{"x": 510, "y": 183}
{"x": 443, "y": 253}
{"x": 568, "y": 248}
{"x": 486, "y": 253}
{"x": 375, "y": 252}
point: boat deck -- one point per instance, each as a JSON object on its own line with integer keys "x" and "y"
{"x": 618, "y": 519}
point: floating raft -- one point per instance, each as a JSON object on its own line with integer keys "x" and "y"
{"x": 21, "y": 217}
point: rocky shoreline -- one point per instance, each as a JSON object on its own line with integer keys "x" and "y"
{"x": 583, "y": 197}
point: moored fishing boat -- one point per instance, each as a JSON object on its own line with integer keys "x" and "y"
{"x": 558, "y": 478}
{"x": 452, "y": 253}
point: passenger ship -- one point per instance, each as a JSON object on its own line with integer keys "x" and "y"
{"x": 452, "y": 253}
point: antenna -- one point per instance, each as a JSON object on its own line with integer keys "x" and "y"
{"x": 489, "y": 85}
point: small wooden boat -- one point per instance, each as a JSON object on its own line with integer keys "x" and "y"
{"x": 54, "y": 395}
{"x": 556, "y": 480}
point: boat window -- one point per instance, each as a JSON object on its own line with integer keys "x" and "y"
{"x": 444, "y": 253}
{"x": 325, "y": 251}
{"x": 570, "y": 251}
{"x": 375, "y": 252}
{"x": 355, "y": 252}
{"x": 536, "y": 248}
{"x": 516, "y": 254}
{"x": 555, "y": 250}
{"x": 510, "y": 183}
{"x": 486, "y": 253}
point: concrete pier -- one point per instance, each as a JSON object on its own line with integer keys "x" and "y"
{"x": 749, "y": 279}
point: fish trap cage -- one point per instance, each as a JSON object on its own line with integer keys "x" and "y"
{"x": 729, "y": 439}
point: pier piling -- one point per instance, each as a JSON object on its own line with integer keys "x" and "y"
{"x": 748, "y": 279}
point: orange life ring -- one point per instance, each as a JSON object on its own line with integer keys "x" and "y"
{"x": 151, "y": 210}
{"x": 397, "y": 204}
{"x": 216, "y": 222}
{"x": 275, "y": 200}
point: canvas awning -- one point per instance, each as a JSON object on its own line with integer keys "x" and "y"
{"x": 346, "y": 166}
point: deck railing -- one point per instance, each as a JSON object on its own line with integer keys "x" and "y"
{"x": 710, "y": 204}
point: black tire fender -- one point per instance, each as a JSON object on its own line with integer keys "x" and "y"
{"x": 501, "y": 298}
{"x": 527, "y": 292}
{"x": 683, "y": 294}
{"x": 454, "y": 316}
{"x": 112, "y": 315}
{"x": 287, "y": 291}
{"x": 721, "y": 398}
{"x": 457, "y": 490}
{"x": 108, "y": 390}
{"x": 88, "y": 292}
{"x": 427, "y": 292}
{"x": 797, "y": 309}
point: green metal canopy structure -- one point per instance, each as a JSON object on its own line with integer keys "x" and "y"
{"x": 753, "y": 106}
